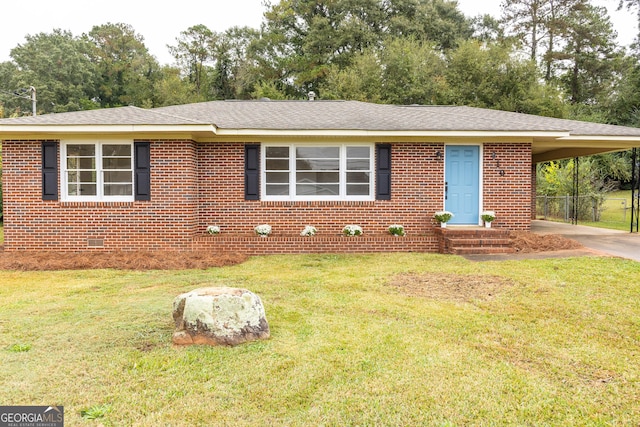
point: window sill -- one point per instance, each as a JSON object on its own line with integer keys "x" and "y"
{"x": 318, "y": 202}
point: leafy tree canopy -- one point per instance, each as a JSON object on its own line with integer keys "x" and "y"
{"x": 60, "y": 67}
{"x": 125, "y": 70}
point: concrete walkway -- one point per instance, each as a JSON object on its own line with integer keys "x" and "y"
{"x": 611, "y": 242}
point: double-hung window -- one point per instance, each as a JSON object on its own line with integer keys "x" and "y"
{"x": 97, "y": 171}
{"x": 317, "y": 172}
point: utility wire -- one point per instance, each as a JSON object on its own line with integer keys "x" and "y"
{"x": 31, "y": 96}
{"x": 17, "y": 93}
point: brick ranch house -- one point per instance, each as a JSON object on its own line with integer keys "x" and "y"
{"x": 153, "y": 179}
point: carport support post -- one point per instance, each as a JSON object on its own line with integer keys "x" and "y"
{"x": 576, "y": 190}
{"x": 635, "y": 190}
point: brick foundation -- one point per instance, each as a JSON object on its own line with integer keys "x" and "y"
{"x": 255, "y": 245}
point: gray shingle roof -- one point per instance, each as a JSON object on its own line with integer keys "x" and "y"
{"x": 354, "y": 115}
{"x": 106, "y": 116}
{"x": 325, "y": 115}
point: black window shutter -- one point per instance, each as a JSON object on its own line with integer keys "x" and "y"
{"x": 142, "y": 172}
{"x": 383, "y": 172}
{"x": 49, "y": 170}
{"x": 252, "y": 172}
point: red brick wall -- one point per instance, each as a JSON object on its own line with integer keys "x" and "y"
{"x": 167, "y": 222}
{"x": 195, "y": 185}
{"x": 417, "y": 188}
{"x": 507, "y": 184}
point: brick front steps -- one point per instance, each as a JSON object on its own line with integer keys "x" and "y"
{"x": 473, "y": 240}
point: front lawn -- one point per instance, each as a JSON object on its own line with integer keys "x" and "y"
{"x": 391, "y": 339}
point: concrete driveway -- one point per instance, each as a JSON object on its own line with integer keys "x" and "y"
{"x": 612, "y": 242}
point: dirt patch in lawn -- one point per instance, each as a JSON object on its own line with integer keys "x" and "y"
{"x": 450, "y": 287}
{"x": 525, "y": 242}
{"x": 122, "y": 260}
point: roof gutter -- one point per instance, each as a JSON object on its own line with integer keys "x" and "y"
{"x": 391, "y": 133}
{"x": 8, "y": 132}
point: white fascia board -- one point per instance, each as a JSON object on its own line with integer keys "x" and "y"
{"x": 15, "y": 130}
{"x": 391, "y": 133}
{"x": 600, "y": 138}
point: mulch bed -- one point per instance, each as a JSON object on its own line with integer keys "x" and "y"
{"x": 121, "y": 260}
{"x": 523, "y": 242}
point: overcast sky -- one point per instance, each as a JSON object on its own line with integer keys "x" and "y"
{"x": 160, "y": 23}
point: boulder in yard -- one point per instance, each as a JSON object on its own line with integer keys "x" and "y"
{"x": 219, "y": 316}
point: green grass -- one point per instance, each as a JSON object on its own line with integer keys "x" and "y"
{"x": 615, "y": 214}
{"x": 95, "y": 412}
{"x": 559, "y": 346}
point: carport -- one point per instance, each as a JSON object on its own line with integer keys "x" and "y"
{"x": 586, "y": 140}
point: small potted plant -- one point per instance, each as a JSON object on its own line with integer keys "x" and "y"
{"x": 488, "y": 217}
{"x": 352, "y": 230}
{"x": 396, "y": 230}
{"x": 213, "y": 229}
{"x": 309, "y": 231}
{"x": 263, "y": 230}
{"x": 443, "y": 217}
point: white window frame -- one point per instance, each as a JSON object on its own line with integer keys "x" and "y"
{"x": 342, "y": 173}
{"x": 100, "y": 196}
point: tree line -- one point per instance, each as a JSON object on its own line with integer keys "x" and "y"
{"x": 550, "y": 57}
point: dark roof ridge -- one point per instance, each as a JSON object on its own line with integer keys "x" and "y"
{"x": 284, "y": 100}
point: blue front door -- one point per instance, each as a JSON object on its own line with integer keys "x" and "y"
{"x": 462, "y": 187}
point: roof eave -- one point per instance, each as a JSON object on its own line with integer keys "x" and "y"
{"x": 211, "y": 132}
{"x": 8, "y": 132}
{"x": 390, "y": 133}
{"x": 601, "y": 138}
{"x": 582, "y": 145}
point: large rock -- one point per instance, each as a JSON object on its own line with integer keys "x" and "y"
{"x": 219, "y": 316}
